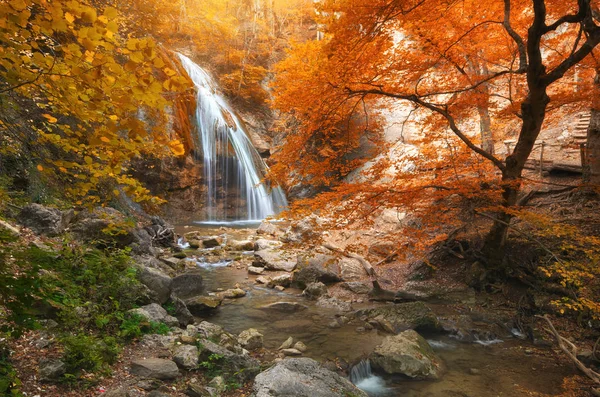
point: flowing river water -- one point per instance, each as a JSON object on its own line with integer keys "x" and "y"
{"x": 507, "y": 366}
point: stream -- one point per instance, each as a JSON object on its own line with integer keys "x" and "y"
{"x": 497, "y": 367}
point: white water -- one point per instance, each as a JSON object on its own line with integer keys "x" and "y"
{"x": 362, "y": 376}
{"x": 231, "y": 163}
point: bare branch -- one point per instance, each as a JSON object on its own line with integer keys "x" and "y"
{"x": 516, "y": 38}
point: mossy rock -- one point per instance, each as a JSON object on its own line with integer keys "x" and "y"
{"x": 180, "y": 255}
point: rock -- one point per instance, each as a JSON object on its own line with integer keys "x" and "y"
{"x": 245, "y": 245}
{"x": 267, "y": 227}
{"x": 161, "y": 341}
{"x": 280, "y": 288}
{"x": 409, "y": 354}
{"x": 403, "y": 316}
{"x": 240, "y": 365}
{"x": 181, "y": 312}
{"x": 272, "y": 259}
{"x": 474, "y": 371}
{"x": 119, "y": 392}
{"x": 233, "y": 293}
{"x": 316, "y": 267}
{"x": 155, "y": 312}
{"x": 315, "y": 290}
{"x": 303, "y": 377}
{"x": 300, "y": 347}
{"x": 15, "y": 232}
{"x": 157, "y": 282}
{"x": 291, "y": 352}
{"x": 286, "y": 307}
{"x": 285, "y": 280}
{"x": 156, "y": 368}
{"x": 202, "y": 304}
{"x": 186, "y": 356}
{"x": 42, "y": 220}
{"x": 251, "y": 339}
{"x": 180, "y": 255}
{"x": 217, "y": 383}
{"x": 263, "y": 280}
{"x": 302, "y": 230}
{"x": 356, "y": 287}
{"x": 212, "y": 242}
{"x": 188, "y": 284}
{"x": 334, "y": 303}
{"x": 256, "y": 270}
{"x": 287, "y": 344}
{"x": 162, "y": 234}
{"x": 351, "y": 269}
{"x": 210, "y": 331}
{"x": 263, "y": 244}
{"x": 50, "y": 370}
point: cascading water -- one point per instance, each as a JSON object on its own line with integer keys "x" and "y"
{"x": 231, "y": 163}
{"x": 362, "y": 376}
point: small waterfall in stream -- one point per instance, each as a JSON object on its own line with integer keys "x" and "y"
{"x": 362, "y": 376}
{"x": 232, "y": 166}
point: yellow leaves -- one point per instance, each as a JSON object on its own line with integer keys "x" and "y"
{"x": 177, "y": 148}
{"x": 18, "y": 5}
{"x": 111, "y": 12}
{"x": 40, "y": 168}
{"x": 105, "y": 139}
{"x": 51, "y": 119}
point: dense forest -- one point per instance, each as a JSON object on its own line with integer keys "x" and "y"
{"x": 299, "y": 198}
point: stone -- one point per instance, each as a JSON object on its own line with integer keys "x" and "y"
{"x": 155, "y": 368}
{"x": 157, "y": 282}
{"x": 161, "y": 341}
{"x": 181, "y": 312}
{"x": 291, "y": 352}
{"x": 196, "y": 390}
{"x": 333, "y": 303}
{"x": 118, "y": 392}
{"x": 209, "y": 330}
{"x": 186, "y": 356}
{"x": 212, "y": 242}
{"x": 403, "y": 316}
{"x": 263, "y": 244}
{"x": 256, "y": 270}
{"x": 272, "y": 259}
{"x": 50, "y": 370}
{"x": 474, "y": 371}
{"x": 302, "y": 230}
{"x": 217, "y": 383}
{"x": 316, "y": 267}
{"x": 267, "y": 227}
{"x": 300, "y": 347}
{"x": 285, "y": 307}
{"x": 251, "y": 339}
{"x": 203, "y": 304}
{"x": 154, "y": 312}
{"x": 303, "y": 377}
{"x": 233, "y": 293}
{"x": 280, "y": 288}
{"x": 42, "y": 220}
{"x": 357, "y": 287}
{"x": 262, "y": 280}
{"x": 315, "y": 290}
{"x": 245, "y": 245}
{"x": 287, "y": 344}
{"x": 240, "y": 365}
{"x": 351, "y": 269}
{"x": 284, "y": 280}
{"x": 409, "y": 354}
{"x": 157, "y": 393}
{"x": 188, "y": 284}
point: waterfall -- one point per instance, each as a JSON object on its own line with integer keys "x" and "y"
{"x": 362, "y": 376}
{"x": 232, "y": 166}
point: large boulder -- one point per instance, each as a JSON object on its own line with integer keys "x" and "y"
{"x": 303, "y": 377}
{"x": 267, "y": 227}
{"x": 409, "y": 354}
{"x": 188, "y": 284}
{"x": 186, "y": 356}
{"x": 157, "y": 282}
{"x": 351, "y": 269}
{"x": 263, "y": 244}
{"x": 181, "y": 312}
{"x": 155, "y": 368}
{"x": 302, "y": 230}
{"x": 273, "y": 259}
{"x": 42, "y": 220}
{"x": 402, "y": 316}
{"x": 155, "y": 313}
{"x": 312, "y": 268}
{"x": 251, "y": 339}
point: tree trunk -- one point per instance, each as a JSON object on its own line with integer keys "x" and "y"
{"x": 593, "y": 150}
{"x": 485, "y": 127}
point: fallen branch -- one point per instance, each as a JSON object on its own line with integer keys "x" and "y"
{"x": 571, "y": 351}
{"x": 366, "y": 265}
{"x": 11, "y": 228}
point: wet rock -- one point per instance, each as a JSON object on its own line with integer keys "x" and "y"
{"x": 155, "y": 312}
{"x": 157, "y": 282}
{"x": 303, "y": 377}
{"x": 212, "y": 242}
{"x": 291, "y": 352}
{"x": 256, "y": 270}
{"x": 155, "y": 368}
{"x": 403, "y": 316}
{"x": 285, "y": 307}
{"x": 267, "y": 227}
{"x": 42, "y": 220}
{"x": 186, "y": 356}
{"x": 357, "y": 287}
{"x": 240, "y": 365}
{"x": 272, "y": 259}
{"x": 188, "y": 284}
{"x": 202, "y": 304}
{"x": 285, "y": 280}
{"x": 409, "y": 354}
{"x": 263, "y": 244}
{"x": 233, "y": 293}
{"x": 300, "y": 347}
{"x": 51, "y": 370}
{"x": 334, "y": 303}
{"x": 263, "y": 280}
{"x": 315, "y": 290}
{"x": 316, "y": 267}
{"x": 287, "y": 344}
{"x": 251, "y": 339}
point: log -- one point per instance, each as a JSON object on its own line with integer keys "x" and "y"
{"x": 552, "y": 166}
{"x": 13, "y": 229}
{"x": 366, "y": 265}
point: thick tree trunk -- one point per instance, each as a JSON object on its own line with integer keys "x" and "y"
{"x": 591, "y": 173}
{"x": 485, "y": 127}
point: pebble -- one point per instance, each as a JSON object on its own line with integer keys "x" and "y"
{"x": 474, "y": 371}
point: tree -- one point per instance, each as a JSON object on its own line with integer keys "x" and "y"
{"x": 431, "y": 53}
